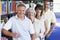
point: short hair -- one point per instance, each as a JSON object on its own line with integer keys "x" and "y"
{"x": 30, "y": 10}
{"x": 38, "y": 6}
{"x": 46, "y": 0}
{"x": 21, "y": 4}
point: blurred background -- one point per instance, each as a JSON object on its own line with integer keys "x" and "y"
{"x": 8, "y": 9}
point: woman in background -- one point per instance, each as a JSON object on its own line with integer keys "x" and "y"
{"x": 43, "y": 21}
{"x": 38, "y": 24}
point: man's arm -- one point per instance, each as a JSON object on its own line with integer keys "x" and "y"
{"x": 7, "y": 33}
{"x": 53, "y": 21}
{"x": 53, "y": 26}
{"x": 46, "y": 27}
{"x": 51, "y": 30}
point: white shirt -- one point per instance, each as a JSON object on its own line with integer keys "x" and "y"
{"x": 39, "y": 27}
{"x": 22, "y": 27}
{"x": 50, "y": 16}
{"x": 1, "y": 25}
{"x": 0, "y": 31}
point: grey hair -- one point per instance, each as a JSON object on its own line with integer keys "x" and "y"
{"x": 30, "y": 10}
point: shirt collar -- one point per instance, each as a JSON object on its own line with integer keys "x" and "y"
{"x": 46, "y": 11}
{"x": 18, "y": 18}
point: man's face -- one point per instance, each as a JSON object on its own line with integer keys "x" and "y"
{"x": 21, "y": 10}
{"x": 47, "y": 5}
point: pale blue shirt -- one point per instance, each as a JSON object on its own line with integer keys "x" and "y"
{"x": 22, "y": 27}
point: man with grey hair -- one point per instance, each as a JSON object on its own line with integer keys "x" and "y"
{"x": 22, "y": 28}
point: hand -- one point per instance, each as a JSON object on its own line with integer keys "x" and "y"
{"x": 48, "y": 35}
{"x": 15, "y": 35}
{"x": 37, "y": 35}
{"x": 42, "y": 35}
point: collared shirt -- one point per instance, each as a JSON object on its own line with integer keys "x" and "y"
{"x": 1, "y": 25}
{"x": 22, "y": 27}
{"x": 50, "y": 16}
{"x": 0, "y": 31}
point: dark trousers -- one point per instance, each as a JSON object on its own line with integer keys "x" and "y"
{"x": 47, "y": 38}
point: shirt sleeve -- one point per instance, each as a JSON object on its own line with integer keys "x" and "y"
{"x": 53, "y": 20}
{"x": 8, "y": 25}
{"x": 31, "y": 28}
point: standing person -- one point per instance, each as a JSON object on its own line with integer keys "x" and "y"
{"x": 43, "y": 21}
{"x": 50, "y": 16}
{"x": 38, "y": 26}
{"x": 22, "y": 28}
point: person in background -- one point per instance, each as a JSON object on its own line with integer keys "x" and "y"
{"x": 43, "y": 21}
{"x": 22, "y": 28}
{"x": 50, "y": 16}
{"x": 38, "y": 26}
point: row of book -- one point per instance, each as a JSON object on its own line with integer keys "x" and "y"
{"x": 9, "y": 6}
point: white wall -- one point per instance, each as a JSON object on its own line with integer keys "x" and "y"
{"x": 56, "y": 6}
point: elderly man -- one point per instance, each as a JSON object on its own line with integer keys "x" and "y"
{"x": 22, "y": 28}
